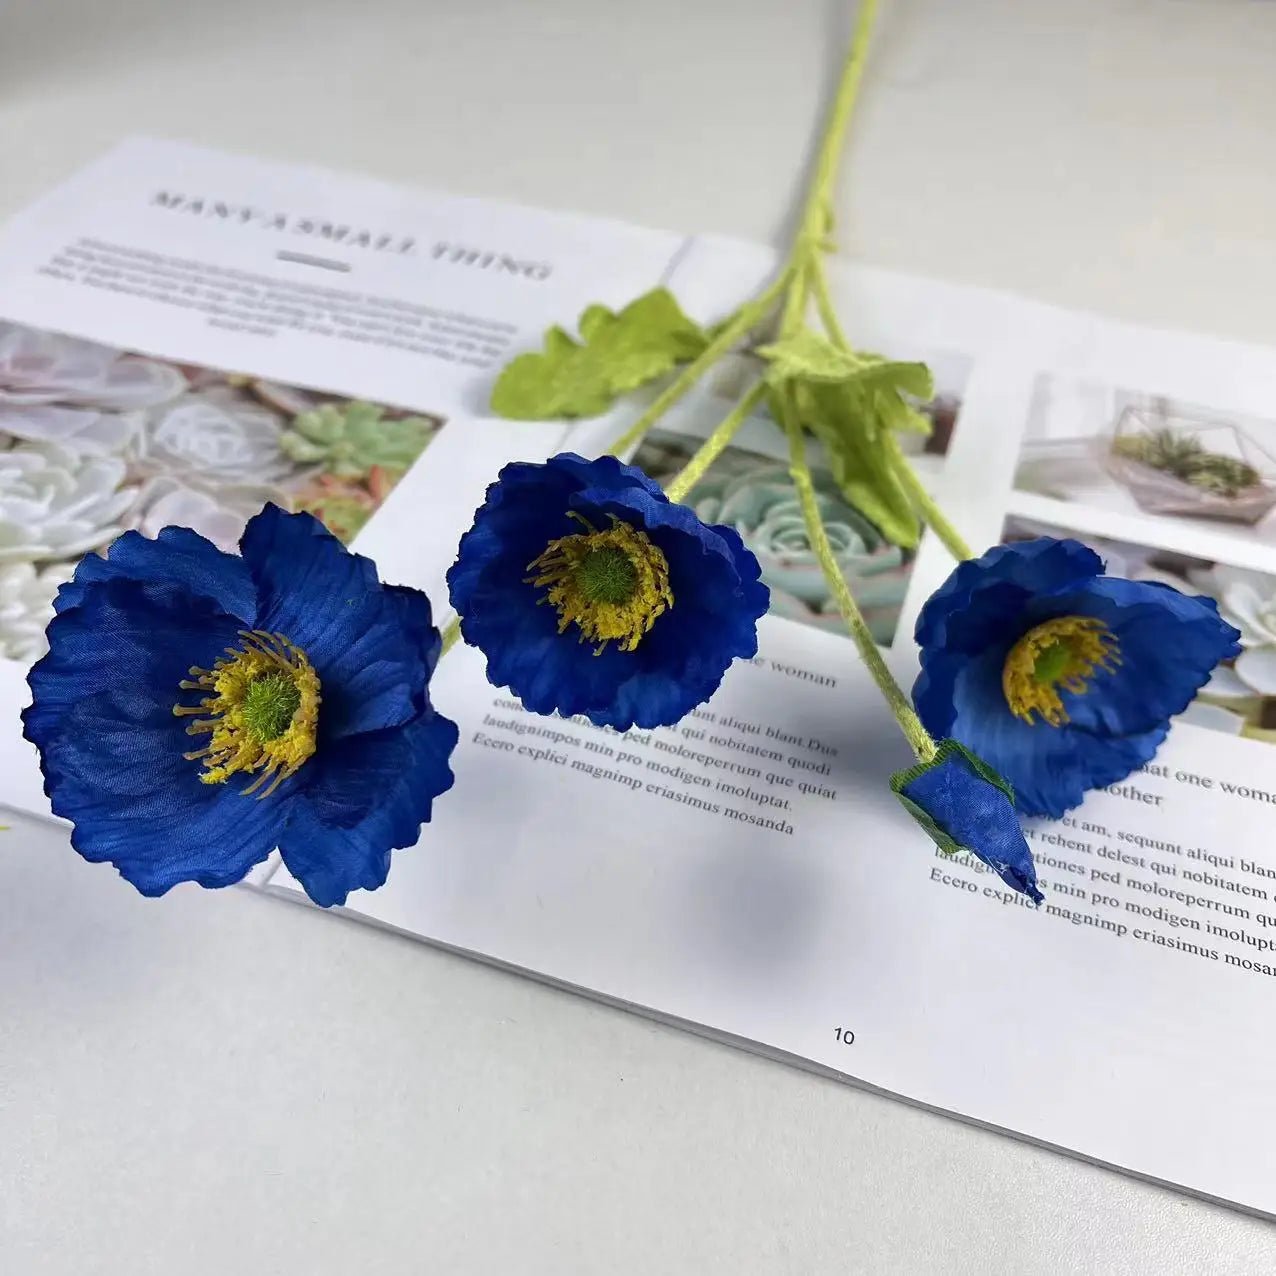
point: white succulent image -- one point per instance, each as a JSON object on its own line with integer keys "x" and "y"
{"x": 1246, "y": 599}
{"x": 56, "y": 389}
{"x": 26, "y": 607}
{"x": 83, "y": 429}
{"x": 218, "y": 514}
{"x": 39, "y": 368}
{"x": 96, "y": 441}
{"x": 216, "y": 436}
{"x": 58, "y": 504}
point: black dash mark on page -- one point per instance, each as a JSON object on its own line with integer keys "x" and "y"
{"x": 305, "y": 259}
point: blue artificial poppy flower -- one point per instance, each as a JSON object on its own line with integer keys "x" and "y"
{"x": 1061, "y": 678}
{"x": 966, "y": 806}
{"x": 197, "y": 709}
{"x": 591, "y": 593}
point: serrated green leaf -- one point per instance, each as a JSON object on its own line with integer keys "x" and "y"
{"x": 807, "y": 356}
{"x": 891, "y": 375}
{"x": 617, "y": 352}
{"x": 558, "y": 342}
{"x": 842, "y": 417}
{"x": 896, "y": 414}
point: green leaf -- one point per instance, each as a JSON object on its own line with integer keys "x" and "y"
{"x": 848, "y": 400}
{"x": 807, "y": 356}
{"x": 844, "y": 417}
{"x": 893, "y": 377}
{"x": 901, "y": 418}
{"x": 617, "y": 352}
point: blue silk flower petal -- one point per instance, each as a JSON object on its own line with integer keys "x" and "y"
{"x": 1166, "y": 645}
{"x": 133, "y": 625}
{"x": 677, "y": 664}
{"x": 964, "y": 806}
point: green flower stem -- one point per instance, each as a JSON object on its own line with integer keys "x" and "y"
{"x": 712, "y": 447}
{"x": 801, "y": 268}
{"x": 794, "y": 312}
{"x": 811, "y": 240}
{"x": 930, "y": 513}
{"x": 451, "y": 632}
{"x": 748, "y": 316}
{"x": 917, "y": 736}
{"x": 824, "y": 306}
{"x": 817, "y": 216}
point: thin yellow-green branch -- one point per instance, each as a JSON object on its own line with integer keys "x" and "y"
{"x": 794, "y": 312}
{"x": 920, "y": 498}
{"x": 816, "y": 220}
{"x": 930, "y": 513}
{"x": 711, "y": 448}
{"x": 451, "y": 632}
{"x": 909, "y": 723}
{"x": 747, "y": 317}
{"x": 795, "y": 279}
{"x": 817, "y": 214}
{"x": 824, "y": 306}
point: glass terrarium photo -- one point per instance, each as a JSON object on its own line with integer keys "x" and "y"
{"x": 1175, "y": 462}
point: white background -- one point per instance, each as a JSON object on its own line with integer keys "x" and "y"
{"x": 218, "y": 1082}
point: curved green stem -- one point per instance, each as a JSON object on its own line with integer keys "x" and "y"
{"x": 922, "y": 502}
{"x": 711, "y": 448}
{"x": 824, "y": 306}
{"x": 794, "y": 311}
{"x": 747, "y": 317}
{"x": 817, "y": 212}
{"x": 817, "y": 215}
{"x": 801, "y": 269}
{"x": 451, "y": 632}
{"x": 909, "y": 723}
{"x": 930, "y": 513}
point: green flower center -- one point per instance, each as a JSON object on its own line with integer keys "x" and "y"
{"x": 269, "y": 704}
{"x": 1052, "y": 663}
{"x": 259, "y": 708}
{"x": 1060, "y": 654}
{"x": 612, "y": 584}
{"x": 607, "y": 575}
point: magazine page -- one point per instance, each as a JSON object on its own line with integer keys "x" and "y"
{"x": 749, "y": 873}
{"x": 187, "y": 335}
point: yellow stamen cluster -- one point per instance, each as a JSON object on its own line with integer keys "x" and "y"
{"x": 1062, "y": 653}
{"x": 611, "y": 584}
{"x": 260, "y": 709}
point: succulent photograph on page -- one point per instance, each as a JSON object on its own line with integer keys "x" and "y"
{"x": 749, "y": 486}
{"x": 96, "y": 441}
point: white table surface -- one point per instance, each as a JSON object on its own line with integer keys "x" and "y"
{"x": 221, "y": 1083}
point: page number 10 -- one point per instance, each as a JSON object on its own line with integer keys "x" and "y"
{"x": 845, "y": 1036}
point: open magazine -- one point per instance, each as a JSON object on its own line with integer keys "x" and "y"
{"x": 185, "y": 335}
